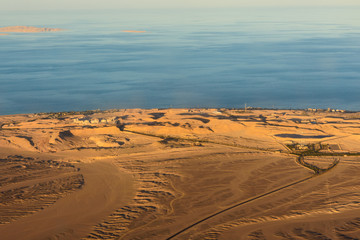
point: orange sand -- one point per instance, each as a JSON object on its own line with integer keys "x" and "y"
{"x": 179, "y": 174}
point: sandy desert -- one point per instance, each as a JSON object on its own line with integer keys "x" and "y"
{"x": 180, "y": 174}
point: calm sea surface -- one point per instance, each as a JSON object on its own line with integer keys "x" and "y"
{"x": 277, "y": 57}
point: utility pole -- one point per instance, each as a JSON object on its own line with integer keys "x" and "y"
{"x": 245, "y": 108}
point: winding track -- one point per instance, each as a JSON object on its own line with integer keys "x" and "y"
{"x": 237, "y": 205}
{"x": 300, "y": 161}
{"x": 317, "y": 171}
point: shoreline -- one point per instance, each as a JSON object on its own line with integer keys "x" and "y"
{"x": 313, "y": 110}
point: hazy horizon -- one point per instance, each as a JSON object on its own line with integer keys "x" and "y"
{"x": 19, "y": 5}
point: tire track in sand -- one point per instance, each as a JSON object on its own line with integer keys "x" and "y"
{"x": 300, "y": 161}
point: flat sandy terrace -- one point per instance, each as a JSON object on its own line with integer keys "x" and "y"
{"x": 180, "y": 174}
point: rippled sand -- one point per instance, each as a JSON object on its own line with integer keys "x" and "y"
{"x": 180, "y": 174}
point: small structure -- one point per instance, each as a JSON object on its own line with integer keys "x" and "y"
{"x": 88, "y": 120}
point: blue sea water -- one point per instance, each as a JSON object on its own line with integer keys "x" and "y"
{"x": 264, "y": 57}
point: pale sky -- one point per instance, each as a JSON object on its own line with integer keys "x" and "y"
{"x": 118, "y": 4}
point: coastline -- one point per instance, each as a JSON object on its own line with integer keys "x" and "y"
{"x": 69, "y": 112}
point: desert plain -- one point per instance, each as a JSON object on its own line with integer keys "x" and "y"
{"x": 180, "y": 174}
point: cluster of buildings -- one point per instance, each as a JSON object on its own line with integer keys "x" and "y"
{"x": 88, "y": 120}
{"x": 323, "y": 110}
{"x": 315, "y": 147}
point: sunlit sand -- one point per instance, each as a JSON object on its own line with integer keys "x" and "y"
{"x": 180, "y": 174}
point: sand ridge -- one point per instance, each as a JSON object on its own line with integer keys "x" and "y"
{"x": 154, "y": 173}
{"x": 71, "y": 217}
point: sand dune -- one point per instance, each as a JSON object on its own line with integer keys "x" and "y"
{"x": 71, "y": 217}
{"x": 180, "y": 174}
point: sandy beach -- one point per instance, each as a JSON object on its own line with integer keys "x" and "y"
{"x": 180, "y": 174}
